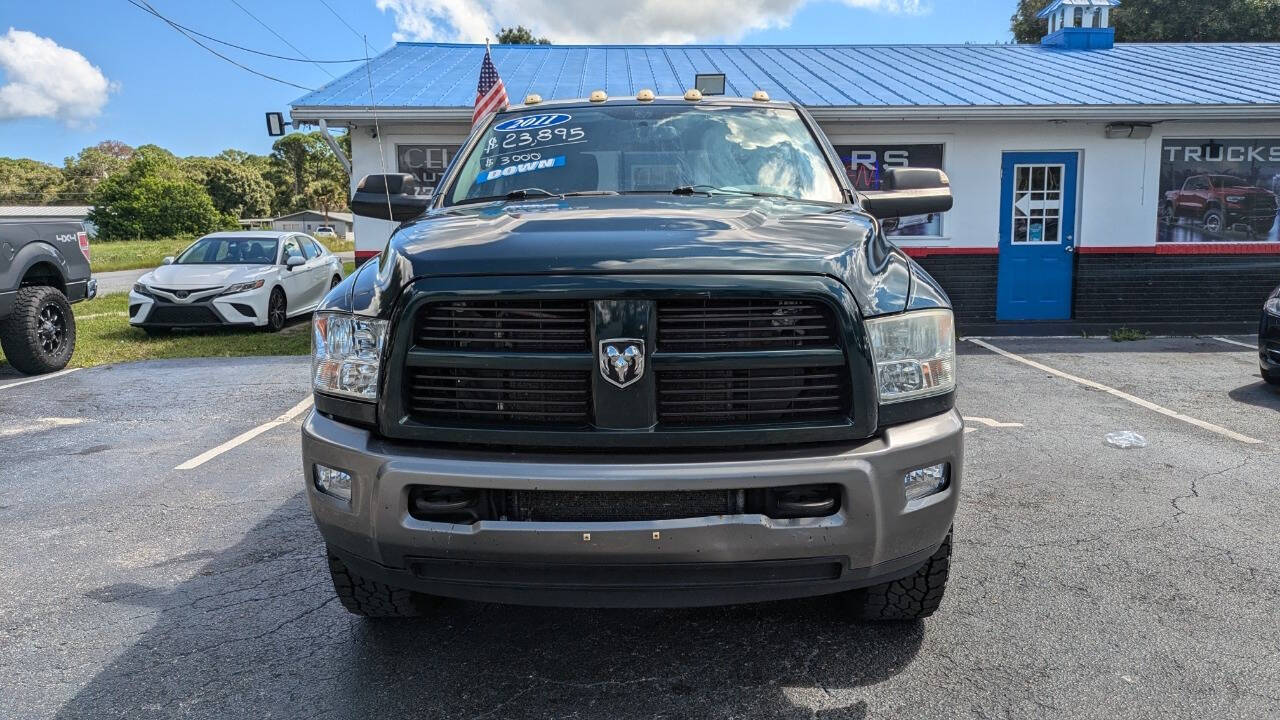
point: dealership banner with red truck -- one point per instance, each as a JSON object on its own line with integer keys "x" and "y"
{"x": 865, "y": 165}
{"x": 1219, "y": 190}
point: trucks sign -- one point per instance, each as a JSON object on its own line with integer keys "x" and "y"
{"x": 1219, "y": 190}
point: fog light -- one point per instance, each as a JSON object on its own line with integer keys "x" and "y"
{"x": 333, "y": 482}
{"x": 926, "y": 481}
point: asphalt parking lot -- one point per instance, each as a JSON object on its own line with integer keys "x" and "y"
{"x": 1089, "y": 581}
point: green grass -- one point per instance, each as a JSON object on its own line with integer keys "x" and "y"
{"x": 1125, "y": 334}
{"x": 104, "y": 337}
{"x": 131, "y": 254}
{"x": 134, "y": 254}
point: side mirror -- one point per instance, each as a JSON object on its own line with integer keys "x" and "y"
{"x": 399, "y": 191}
{"x": 909, "y": 191}
{"x": 294, "y": 261}
{"x": 168, "y": 260}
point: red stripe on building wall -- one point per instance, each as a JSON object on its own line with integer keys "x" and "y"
{"x": 917, "y": 252}
{"x": 1185, "y": 249}
{"x": 362, "y": 255}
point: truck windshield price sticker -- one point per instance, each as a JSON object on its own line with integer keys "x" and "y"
{"x": 546, "y": 137}
{"x": 532, "y": 122}
{"x": 520, "y": 169}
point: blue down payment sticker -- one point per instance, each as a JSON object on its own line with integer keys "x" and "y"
{"x": 520, "y": 169}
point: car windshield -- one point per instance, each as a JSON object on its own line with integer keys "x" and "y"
{"x": 647, "y": 148}
{"x": 229, "y": 251}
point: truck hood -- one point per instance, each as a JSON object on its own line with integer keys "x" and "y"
{"x": 657, "y": 233}
{"x": 633, "y": 233}
{"x": 202, "y": 276}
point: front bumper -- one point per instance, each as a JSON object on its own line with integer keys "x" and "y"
{"x": 242, "y": 309}
{"x": 875, "y": 536}
{"x": 1269, "y": 342}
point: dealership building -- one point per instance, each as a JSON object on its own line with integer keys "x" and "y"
{"x": 1094, "y": 182}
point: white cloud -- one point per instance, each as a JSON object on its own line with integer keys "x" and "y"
{"x": 607, "y": 21}
{"x": 40, "y": 78}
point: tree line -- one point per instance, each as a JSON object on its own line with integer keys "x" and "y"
{"x": 147, "y": 191}
{"x": 1170, "y": 21}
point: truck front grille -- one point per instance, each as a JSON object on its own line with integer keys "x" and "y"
{"x": 720, "y": 368}
{"x": 480, "y": 396}
{"x": 704, "y": 325}
{"x": 538, "y": 326}
{"x": 747, "y": 396}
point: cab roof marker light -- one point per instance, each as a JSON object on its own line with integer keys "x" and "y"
{"x": 760, "y": 96}
{"x": 598, "y": 96}
{"x": 693, "y": 95}
{"x": 532, "y": 99}
{"x": 645, "y": 95}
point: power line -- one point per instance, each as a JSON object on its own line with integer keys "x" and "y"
{"x": 283, "y": 39}
{"x": 342, "y": 20}
{"x": 250, "y": 50}
{"x": 143, "y": 5}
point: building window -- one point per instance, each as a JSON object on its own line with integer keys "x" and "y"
{"x": 1037, "y": 204}
{"x": 427, "y": 163}
{"x": 865, "y": 166}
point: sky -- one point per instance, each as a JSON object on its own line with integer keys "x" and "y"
{"x": 75, "y": 72}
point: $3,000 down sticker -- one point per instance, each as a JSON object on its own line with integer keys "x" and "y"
{"x": 520, "y": 168}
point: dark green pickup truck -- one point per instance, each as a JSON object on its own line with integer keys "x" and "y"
{"x": 44, "y": 268}
{"x": 638, "y": 352}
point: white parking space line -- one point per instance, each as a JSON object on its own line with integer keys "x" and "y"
{"x": 50, "y": 376}
{"x": 38, "y": 425}
{"x": 1121, "y": 394}
{"x": 991, "y": 423}
{"x": 245, "y": 437}
{"x": 1236, "y": 342}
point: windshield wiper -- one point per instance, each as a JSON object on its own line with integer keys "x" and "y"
{"x": 526, "y": 193}
{"x": 712, "y": 189}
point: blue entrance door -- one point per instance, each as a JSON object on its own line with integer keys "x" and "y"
{"x": 1037, "y": 235}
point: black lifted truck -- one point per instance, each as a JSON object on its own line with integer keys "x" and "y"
{"x": 44, "y": 268}
{"x": 638, "y": 352}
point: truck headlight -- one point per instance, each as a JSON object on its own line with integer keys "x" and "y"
{"x": 346, "y": 352}
{"x": 1235, "y": 199}
{"x": 1273, "y": 306}
{"x": 915, "y": 354}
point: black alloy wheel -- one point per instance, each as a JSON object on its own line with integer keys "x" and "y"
{"x": 276, "y": 311}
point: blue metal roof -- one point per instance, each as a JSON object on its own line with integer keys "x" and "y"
{"x": 437, "y": 75}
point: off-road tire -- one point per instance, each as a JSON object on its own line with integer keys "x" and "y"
{"x": 1271, "y": 377}
{"x": 914, "y": 597}
{"x": 370, "y": 598}
{"x": 21, "y": 332}
{"x": 1214, "y": 219}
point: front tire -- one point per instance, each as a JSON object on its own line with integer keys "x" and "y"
{"x": 1213, "y": 221}
{"x": 40, "y": 334}
{"x": 370, "y": 598}
{"x": 334, "y": 282}
{"x": 277, "y": 311}
{"x": 914, "y": 597}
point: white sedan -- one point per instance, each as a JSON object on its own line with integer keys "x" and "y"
{"x": 236, "y": 278}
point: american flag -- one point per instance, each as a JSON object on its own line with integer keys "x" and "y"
{"x": 490, "y": 93}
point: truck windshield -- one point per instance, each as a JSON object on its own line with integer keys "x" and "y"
{"x": 229, "y": 251}
{"x": 646, "y": 148}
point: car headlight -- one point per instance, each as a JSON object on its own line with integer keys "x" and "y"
{"x": 1273, "y": 306}
{"x": 244, "y": 286}
{"x": 346, "y": 352}
{"x": 141, "y": 289}
{"x": 915, "y": 354}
